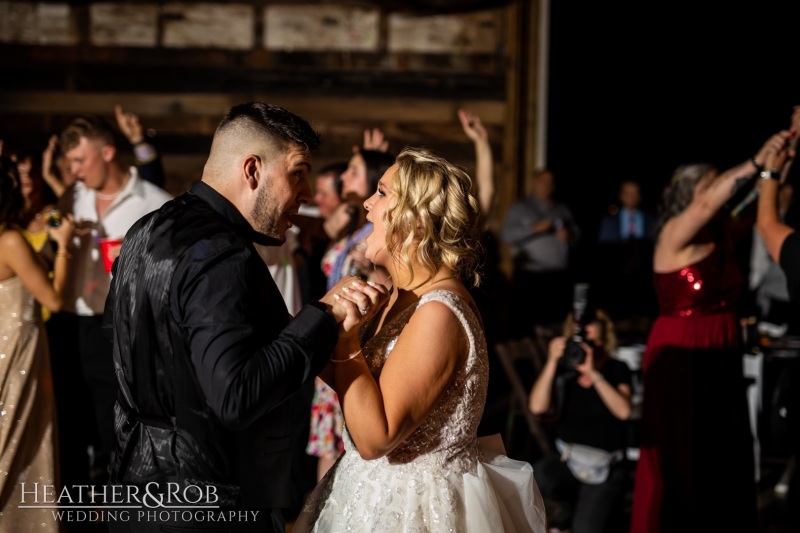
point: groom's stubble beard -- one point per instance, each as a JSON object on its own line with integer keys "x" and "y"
{"x": 266, "y": 215}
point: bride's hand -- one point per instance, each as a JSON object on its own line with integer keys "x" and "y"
{"x": 361, "y": 300}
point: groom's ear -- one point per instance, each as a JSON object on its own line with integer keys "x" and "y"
{"x": 251, "y": 169}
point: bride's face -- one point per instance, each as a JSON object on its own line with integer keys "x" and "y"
{"x": 376, "y": 206}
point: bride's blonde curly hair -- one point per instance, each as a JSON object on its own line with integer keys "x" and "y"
{"x": 435, "y": 215}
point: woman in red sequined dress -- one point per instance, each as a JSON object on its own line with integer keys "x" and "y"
{"x": 696, "y": 437}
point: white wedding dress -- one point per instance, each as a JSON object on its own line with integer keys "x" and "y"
{"x": 440, "y": 479}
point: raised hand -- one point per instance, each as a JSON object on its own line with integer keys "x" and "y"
{"x": 374, "y": 139}
{"x": 776, "y": 159}
{"x": 473, "y": 128}
{"x": 63, "y": 233}
{"x": 55, "y": 183}
{"x": 771, "y": 147}
{"x": 129, "y": 125}
{"x": 556, "y": 348}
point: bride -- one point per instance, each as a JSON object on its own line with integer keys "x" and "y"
{"x": 412, "y": 382}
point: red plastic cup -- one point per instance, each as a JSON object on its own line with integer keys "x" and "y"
{"x": 109, "y": 249}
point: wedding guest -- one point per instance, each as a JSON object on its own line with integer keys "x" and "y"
{"x": 767, "y": 280}
{"x": 28, "y": 436}
{"x": 39, "y": 199}
{"x": 147, "y": 160}
{"x": 694, "y": 390}
{"x": 40, "y": 203}
{"x": 624, "y": 264}
{"x": 413, "y": 383}
{"x": 346, "y": 257}
{"x": 321, "y": 230}
{"x": 783, "y": 245}
{"x": 630, "y": 221}
{"x": 359, "y": 182}
{"x": 592, "y": 403}
{"x": 207, "y": 355}
{"x": 541, "y": 232}
{"x": 105, "y": 201}
{"x": 782, "y": 241}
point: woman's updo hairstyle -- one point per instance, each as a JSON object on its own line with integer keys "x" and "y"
{"x": 434, "y": 215}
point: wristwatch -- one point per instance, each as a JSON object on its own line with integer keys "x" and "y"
{"x": 770, "y": 175}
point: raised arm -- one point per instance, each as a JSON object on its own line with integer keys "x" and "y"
{"x": 542, "y": 392}
{"x": 709, "y": 198}
{"x": 55, "y": 183}
{"x": 148, "y": 160}
{"x": 374, "y": 139}
{"x": 772, "y": 230}
{"x": 484, "y": 160}
{"x": 22, "y": 260}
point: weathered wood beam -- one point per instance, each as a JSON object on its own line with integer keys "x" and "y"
{"x": 376, "y": 110}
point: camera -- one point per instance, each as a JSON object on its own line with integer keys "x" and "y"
{"x": 53, "y": 218}
{"x": 574, "y": 354}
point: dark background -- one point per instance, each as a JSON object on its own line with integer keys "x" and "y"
{"x": 638, "y": 88}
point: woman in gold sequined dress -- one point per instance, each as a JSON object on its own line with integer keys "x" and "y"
{"x": 27, "y": 407}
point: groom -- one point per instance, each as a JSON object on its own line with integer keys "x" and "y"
{"x": 207, "y": 356}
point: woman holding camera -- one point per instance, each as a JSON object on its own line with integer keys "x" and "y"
{"x": 589, "y": 395}
{"x": 27, "y": 405}
{"x": 695, "y": 432}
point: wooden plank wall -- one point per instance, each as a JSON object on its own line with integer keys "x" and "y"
{"x": 342, "y": 66}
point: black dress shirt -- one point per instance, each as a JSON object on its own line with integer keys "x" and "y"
{"x": 208, "y": 350}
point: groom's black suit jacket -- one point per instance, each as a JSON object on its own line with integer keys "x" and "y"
{"x": 208, "y": 354}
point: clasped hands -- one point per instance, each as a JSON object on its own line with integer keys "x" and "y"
{"x": 352, "y": 301}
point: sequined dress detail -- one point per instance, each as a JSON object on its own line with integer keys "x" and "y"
{"x": 27, "y": 410}
{"x": 695, "y": 429}
{"x": 440, "y": 479}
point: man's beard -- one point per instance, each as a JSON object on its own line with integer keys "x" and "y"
{"x": 266, "y": 216}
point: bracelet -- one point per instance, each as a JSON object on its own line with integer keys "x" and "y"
{"x": 352, "y": 356}
{"x": 770, "y": 175}
{"x": 65, "y": 255}
{"x": 759, "y": 167}
{"x": 598, "y": 377}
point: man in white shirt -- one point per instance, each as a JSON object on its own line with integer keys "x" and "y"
{"x": 105, "y": 202}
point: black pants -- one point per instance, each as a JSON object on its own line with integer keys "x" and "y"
{"x": 85, "y": 388}
{"x": 594, "y": 508}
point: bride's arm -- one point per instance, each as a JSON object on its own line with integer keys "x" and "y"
{"x": 380, "y": 415}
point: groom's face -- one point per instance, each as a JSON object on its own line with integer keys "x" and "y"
{"x": 281, "y": 189}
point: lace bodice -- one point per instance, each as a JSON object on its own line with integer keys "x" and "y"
{"x": 450, "y": 429}
{"x": 435, "y": 481}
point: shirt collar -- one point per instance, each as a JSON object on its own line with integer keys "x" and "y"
{"x": 133, "y": 185}
{"x": 224, "y": 207}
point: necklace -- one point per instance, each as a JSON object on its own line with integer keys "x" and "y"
{"x": 101, "y": 196}
{"x": 106, "y": 197}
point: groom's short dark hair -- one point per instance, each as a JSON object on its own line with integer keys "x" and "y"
{"x": 281, "y": 125}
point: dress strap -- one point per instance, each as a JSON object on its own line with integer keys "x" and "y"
{"x": 459, "y": 306}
